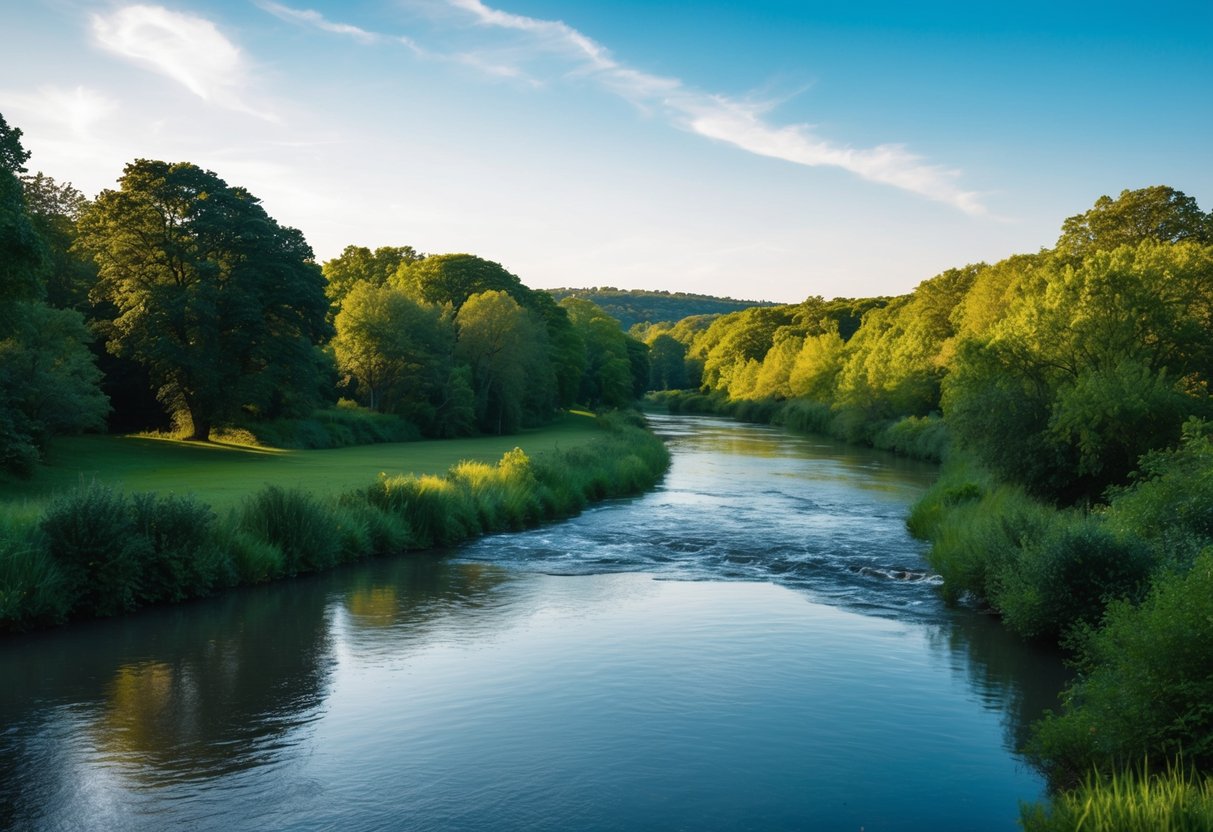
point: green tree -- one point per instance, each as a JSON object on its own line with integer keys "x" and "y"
{"x": 498, "y": 340}
{"x": 222, "y": 305}
{"x": 453, "y": 278}
{"x": 607, "y": 380}
{"x": 667, "y": 363}
{"x": 54, "y": 210}
{"x": 1157, "y": 213}
{"x": 1093, "y": 366}
{"x": 394, "y": 348}
{"x": 358, "y": 264}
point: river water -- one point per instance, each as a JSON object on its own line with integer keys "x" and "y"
{"x": 756, "y": 644}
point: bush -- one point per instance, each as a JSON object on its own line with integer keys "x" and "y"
{"x": 1147, "y": 684}
{"x": 182, "y": 558}
{"x": 919, "y": 437}
{"x": 306, "y": 530}
{"x": 32, "y": 587}
{"x": 91, "y": 535}
{"x": 975, "y": 541}
{"x": 1067, "y": 576}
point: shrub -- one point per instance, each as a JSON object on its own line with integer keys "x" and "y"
{"x": 1067, "y": 576}
{"x": 253, "y": 559}
{"x": 91, "y": 535}
{"x": 182, "y": 558}
{"x": 1147, "y": 685}
{"x": 32, "y": 589}
{"x": 302, "y": 527}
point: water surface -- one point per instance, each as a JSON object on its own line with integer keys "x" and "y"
{"x": 757, "y": 644}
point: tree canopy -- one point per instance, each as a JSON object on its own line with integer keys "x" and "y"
{"x": 220, "y": 303}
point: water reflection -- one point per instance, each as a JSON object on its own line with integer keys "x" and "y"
{"x": 475, "y": 689}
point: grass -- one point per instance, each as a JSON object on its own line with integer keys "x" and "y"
{"x": 222, "y": 475}
{"x": 95, "y": 549}
{"x": 1176, "y": 801}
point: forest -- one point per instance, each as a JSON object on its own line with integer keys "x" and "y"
{"x": 642, "y": 306}
{"x": 175, "y": 302}
{"x": 1067, "y": 394}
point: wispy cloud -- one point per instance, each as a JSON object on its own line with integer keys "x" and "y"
{"x": 744, "y": 124}
{"x": 189, "y": 49}
{"x": 316, "y": 19}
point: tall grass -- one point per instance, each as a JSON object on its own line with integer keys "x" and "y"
{"x": 1128, "y": 801}
{"x": 96, "y": 551}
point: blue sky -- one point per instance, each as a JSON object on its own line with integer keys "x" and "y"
{"x": 767, "y": 150}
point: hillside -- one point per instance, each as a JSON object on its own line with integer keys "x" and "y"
{"x": 633, "y": 306}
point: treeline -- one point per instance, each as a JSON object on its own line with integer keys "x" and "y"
{"x": 641, "y": 306}
{"x": 1069, "y": 393}
{"x": 176, "y": 302}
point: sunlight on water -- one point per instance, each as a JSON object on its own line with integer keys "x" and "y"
{"x": 755, "y": 645}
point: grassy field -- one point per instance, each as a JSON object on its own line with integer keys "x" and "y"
{"x": 222, "y": 475}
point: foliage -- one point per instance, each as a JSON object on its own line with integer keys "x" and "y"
{"x": 610, "y": 374}
{"x": 1170, "y": 504}
{"x": 358, "y": 265}
{"x": 218, "y": 301}
{"x": 1157, "y": 213}
{"x": 1147, "y": 684}
{"x": 1098, "y": 364}
{"x": 453, "y": 278}
{"x": 1178, "y": 800}
{"x": 633, "y": 307}
{"x": 305, "y": 529}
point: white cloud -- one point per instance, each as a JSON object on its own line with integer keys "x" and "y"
{"x": 316, "y": 19}
{"x": 737, "y": 123}
{"x": 744, "y": 125}
{"x": 186, "y": 48}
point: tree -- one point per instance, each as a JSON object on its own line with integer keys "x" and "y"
{"x": 395, "y": 349}
{"x": 222, "y": 305}
{"x": 498, "y": 340}
{"x": 1156, "y": 213}
{"x": 358, "y": 264}
{"x": 608, "y": 378}
{"x": 1092, "y": 366}
{"x": 54, "y": 210}
{"x": 667, "y": 364}
{"x": 49, "y": 383}
{"x": 453, "y": 278}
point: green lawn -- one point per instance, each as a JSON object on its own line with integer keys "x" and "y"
{"x": 222, "y": 474}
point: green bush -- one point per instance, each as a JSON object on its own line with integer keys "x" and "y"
{"x": 1176, "y": 801}
{"x": 305, "y": 529}
{"x": 182, "y": 558}
{"x": 253, "y": 559}
{"x": 1067, "y": 576}
{"x": 32, "y": 588}
{"x": 919, "y": 437}
{"x": 1147, "y": 684}
{"x": 976, "y": 541}
{"x": 1171, "y": 504}
{"x": 91, "y": 535}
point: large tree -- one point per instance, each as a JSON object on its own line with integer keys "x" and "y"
{"x": 358, "y": 264}
{"x": 502, "y": 343}
{"x": 222, "y": 304}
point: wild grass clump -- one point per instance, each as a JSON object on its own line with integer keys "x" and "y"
{"x": 33, "y": 592}
{"x": 91, "y": 535}
{"x": 505, "y": 495}
{"x": 1178, "y": 800}
{"x": 304, "y": 528}
{"x": 181, "y": 558}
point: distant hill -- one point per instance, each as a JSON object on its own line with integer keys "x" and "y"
{"x": 636, "y": 306}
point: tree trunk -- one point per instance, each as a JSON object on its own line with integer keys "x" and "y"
{"x": 202, "y": 429}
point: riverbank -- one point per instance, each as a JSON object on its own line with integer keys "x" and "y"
{"x": 95, "y": 550}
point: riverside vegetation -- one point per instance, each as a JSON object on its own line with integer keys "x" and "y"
{"x": 175, "y": 305}
{"x": 97, "y": 551}
{"x": 1067, "y": 394}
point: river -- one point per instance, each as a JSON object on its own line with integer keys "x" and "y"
{"x": 756, "y": 644}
